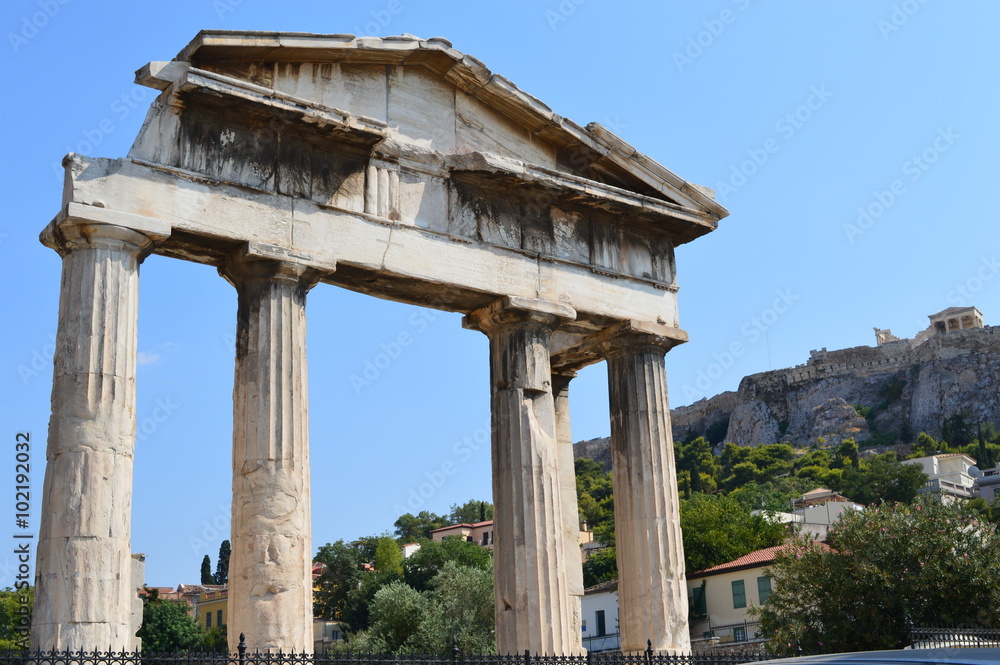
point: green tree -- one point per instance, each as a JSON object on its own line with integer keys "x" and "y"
{"x": 989, "y": 511}
{"x": 412, "y": 528}
{"x": 421, "y": 567}
{"x": 167, "y": 626}
{"x": 926, "y": 562}
{"x": 773, "y": 496}
{"x": 847, "y": 454}
{"x": 357, "y": 604}
{"x": 470, "y": 512}
{"x": 696, "y": 458}
{"x": 957, "y": 430}
{"x": 882, "y": 478}
{"x": 600, "y": 566}
{"x": 206, "y": 571}
{"x": 458, "y": 603}
{"x": 988, "y": 432}
{"x": 215, "y": 640}
{"x": 350, "y": 577}
{"x": 464, "y": 596}
{"x": 222, "y": 565}
{"x": 926, "y": 445}
{"x": 15, "y": 616}
{"x": 741, "y": 464}
{"x": 397, "y": 612}
{"x": 594, "y": 492}
{"x": 716, "y": 432}
{"x": 341, "y": 573}
{"x": 389, "y": 559}
{"x": 717, "y": 529}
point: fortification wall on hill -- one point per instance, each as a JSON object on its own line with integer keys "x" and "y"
{"x": 946, "y": 373}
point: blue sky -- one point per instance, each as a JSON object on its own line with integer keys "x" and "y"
{"x": 854, "y": 143}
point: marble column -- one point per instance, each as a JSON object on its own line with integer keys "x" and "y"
{"x": 531, "y": 581}
{"x": 652, "y": 593}
{"x": 83, "y": 574}
{"x": 567, "y": 490}
{"x": 270, "y": 572}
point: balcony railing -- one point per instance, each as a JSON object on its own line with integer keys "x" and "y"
{"x": 596, "y": 643}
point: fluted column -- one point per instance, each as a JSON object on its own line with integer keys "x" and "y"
{"x": 270, "y": 572}
{"x": 652, "y": 593}
{"x": 83, "y": 573}
{"x": 567, "y": 491}
{"x": 531, "y": 579}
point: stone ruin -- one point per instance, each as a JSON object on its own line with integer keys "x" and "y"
{"x": 945, "y": 321}
{"x": 404, "y": 169}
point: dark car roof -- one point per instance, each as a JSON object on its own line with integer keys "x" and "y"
{"x": 976, "y": 656}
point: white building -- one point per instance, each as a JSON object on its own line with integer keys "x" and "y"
{"x": 950, "y": 475}
{"x": 599, "y": 617}
{"x": 988, "y": 483}
{"x": 814, "y": 512}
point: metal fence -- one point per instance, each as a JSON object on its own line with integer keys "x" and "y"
{"x": 922, "y": 637}
{"x": 930, "y": 637}
{"x": 597, "y": 643}
{"x": 722, "y": 634}
{"x": 454, "y": 657}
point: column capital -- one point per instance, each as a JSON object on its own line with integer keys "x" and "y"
{"x": 561, "y": 379}
{"x": 518, "y": 311}
{"x": 253, "y": 261}
{"x": 72, "y": 231}
{"x": 632, "y": 334}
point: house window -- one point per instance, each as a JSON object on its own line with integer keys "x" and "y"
{"x": 739, "y": 634}
{"x": 763, "y": 588}
{"x": 208, "y": 620}
{"x": 601, "y": 627}
{"x": 699, "y": 606}
{"x": 739, "y": 594}
{"x": 218, "y": 618}
{"x": 486, "y": 538}
{"x": 335, "y": 635}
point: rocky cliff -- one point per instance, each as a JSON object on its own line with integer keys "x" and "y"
{"x": 902, "y": 387}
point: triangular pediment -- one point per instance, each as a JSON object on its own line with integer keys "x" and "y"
{"x": 426, "y": 95}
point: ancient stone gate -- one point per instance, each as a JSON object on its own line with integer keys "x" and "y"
{"x": 401, "y": 168}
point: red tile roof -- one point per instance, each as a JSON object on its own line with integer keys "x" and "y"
{"x": 610, "y": 585}
{"x": 463, "y": 524}
{"x": 451, "y": 526}
{"x": 758, "y": 559}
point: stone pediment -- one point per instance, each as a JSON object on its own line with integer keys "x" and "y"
{"x": 401, "y": 168}
{"x": 365, "y": 90}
